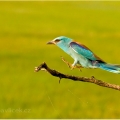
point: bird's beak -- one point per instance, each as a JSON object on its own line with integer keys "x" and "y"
{"x": 50, "y": 42}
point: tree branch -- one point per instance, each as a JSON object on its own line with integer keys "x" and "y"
{"x": 55, "y": 73}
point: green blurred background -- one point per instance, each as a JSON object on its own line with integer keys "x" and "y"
{"x": 25, "y": 27}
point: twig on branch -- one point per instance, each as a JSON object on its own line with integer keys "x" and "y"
{"x": 44, "y": 66}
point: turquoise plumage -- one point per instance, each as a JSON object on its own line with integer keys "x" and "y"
{"x": 82, "y": 55}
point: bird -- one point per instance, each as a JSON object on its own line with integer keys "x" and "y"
{"x": 82, "y": 55}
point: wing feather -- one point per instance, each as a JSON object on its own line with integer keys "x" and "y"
{"x": 84, "y": 51}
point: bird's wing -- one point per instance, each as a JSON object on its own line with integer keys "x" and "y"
{"x": 84, "y": 51}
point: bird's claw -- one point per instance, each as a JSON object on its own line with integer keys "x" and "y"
{"x": 70, "y": 65}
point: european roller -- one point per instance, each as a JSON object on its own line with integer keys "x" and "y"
{"x": 82, "y": 55}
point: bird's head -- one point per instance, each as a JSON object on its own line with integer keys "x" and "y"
{"x": 62, "y": 40}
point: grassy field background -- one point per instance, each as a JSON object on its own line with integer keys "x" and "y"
{"x": 25, "y": 27}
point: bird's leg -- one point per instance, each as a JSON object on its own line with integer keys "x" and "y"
{"x": 69, "y": 64}
{"x": 72, "y": 66}
{"x": 76, "y": 64}
{"x": 79, "y": 67}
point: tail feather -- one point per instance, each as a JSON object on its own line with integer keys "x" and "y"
{"x": 110, "y": 67}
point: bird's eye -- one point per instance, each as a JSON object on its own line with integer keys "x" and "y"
{"x": 57, "y": 40}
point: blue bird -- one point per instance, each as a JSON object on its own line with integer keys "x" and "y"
{"x": 82, "y": 55}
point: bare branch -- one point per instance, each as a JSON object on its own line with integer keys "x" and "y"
{"x": 55, "y": 73}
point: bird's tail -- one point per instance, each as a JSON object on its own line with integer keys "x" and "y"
{"x": 110, "y": 67}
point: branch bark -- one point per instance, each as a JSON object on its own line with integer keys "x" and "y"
{"x": 55, "y": 73}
